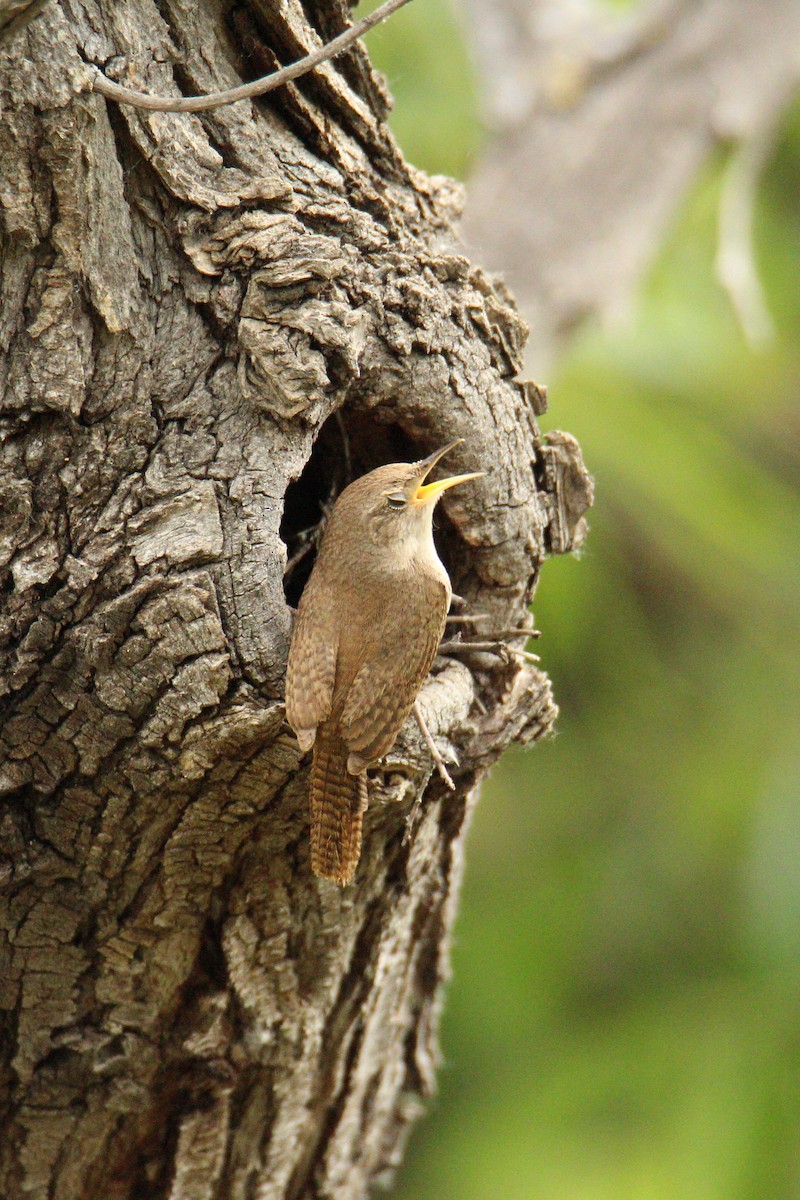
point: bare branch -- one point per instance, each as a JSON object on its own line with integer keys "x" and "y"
{"x": 259, "y": 87}
{"x": 503, "y": 651}
{"x": 603, "y": 124}
{"x": 736, "y": 261}
{"x": 436, "y": 755}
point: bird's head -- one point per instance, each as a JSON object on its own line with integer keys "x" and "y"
{"x": 394, "y": 504}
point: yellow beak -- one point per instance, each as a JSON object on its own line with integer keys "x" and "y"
{"x": 427, "y": 493}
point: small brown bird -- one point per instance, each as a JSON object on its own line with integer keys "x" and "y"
{"x": 367, "y": 628}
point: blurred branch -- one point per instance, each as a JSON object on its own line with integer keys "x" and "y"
{"x": 736, "y": 262}
{"x": 602, "y": 123}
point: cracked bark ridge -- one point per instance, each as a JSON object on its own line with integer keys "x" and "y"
{"x": 186, "y": 301}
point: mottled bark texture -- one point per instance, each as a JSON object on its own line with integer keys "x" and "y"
{"x": 189, "y": 306}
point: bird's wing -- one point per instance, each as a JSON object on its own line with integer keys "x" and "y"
{"x": 310, "y": 676}
{"x": 386, "y": 685}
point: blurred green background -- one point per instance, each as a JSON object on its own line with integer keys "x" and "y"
{"x": 624, "y": 1017}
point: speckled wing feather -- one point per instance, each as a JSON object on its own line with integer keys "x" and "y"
{"x": 310, "y": 675}
{"x": 386, "y": 685}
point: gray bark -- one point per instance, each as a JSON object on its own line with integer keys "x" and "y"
{"x": 189, "y": 306}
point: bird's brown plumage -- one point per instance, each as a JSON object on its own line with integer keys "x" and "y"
{"x": 337, "y": 802}
{"x": 366, "y": 633}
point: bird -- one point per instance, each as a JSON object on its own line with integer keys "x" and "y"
{"x": 366, "y": 632}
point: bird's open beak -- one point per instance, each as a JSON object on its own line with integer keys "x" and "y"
{"x": 427, "y": 492}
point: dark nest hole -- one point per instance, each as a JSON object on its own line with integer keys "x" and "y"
{"x": 348, "y": 446}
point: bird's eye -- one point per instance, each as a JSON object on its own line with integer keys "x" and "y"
{"x": 396, "y": 500}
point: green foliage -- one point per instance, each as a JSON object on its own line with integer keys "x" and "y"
{"x": 425, "y": 63}
{"x": 623, "y": 1021}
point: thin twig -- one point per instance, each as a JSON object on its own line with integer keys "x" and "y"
{"x": 501, "y": 649}
{"x": 309, "y": 537}
{"x": 736, "y": 265}
{"x": 434, "y": 749}
{"x": 467, "y": 619}
{"x": 348, "y": 463}
{"x": 501, "y": 634}
{"x": 114, "y": 91}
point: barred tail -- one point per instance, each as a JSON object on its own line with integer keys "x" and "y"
{"x": 338, "y": 801}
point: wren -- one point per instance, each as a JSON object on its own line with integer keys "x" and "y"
{"x": 367, "y": 629}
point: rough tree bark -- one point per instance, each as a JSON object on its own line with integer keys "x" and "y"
{"x": 207, "y": 323}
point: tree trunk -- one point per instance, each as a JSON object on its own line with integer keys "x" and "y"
{"x": 208, "y": 324}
